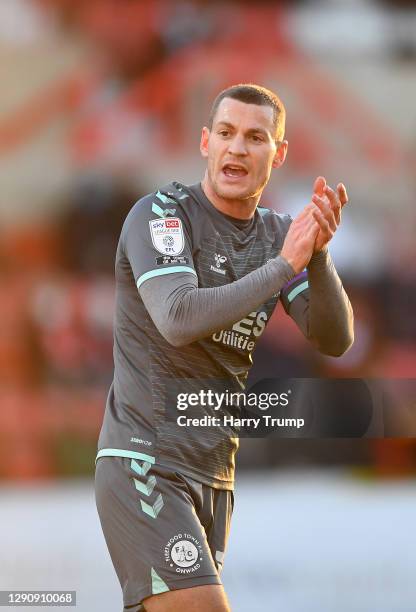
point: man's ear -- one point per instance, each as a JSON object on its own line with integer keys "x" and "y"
{"x": 203, "y": 147}
{"x": 281, "y": 153}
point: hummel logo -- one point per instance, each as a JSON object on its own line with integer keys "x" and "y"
{"x": 219, "y": 259}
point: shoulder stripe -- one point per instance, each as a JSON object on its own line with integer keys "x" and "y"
{"x": 153, "y": 273}
{"x": 165, "y": 199}
{"x": 295, "y": 292}
{"x": 157, "y": 210}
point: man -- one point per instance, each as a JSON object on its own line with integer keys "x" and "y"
{"x": 199, "y": 271}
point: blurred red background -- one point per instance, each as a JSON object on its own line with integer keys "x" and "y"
{"x": 103, "y": 101}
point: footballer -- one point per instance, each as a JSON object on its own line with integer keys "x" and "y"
{"x": 199, "y": 272}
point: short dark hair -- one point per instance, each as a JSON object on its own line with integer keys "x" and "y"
{"x": 249, "y": 93}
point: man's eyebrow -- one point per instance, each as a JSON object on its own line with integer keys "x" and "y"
{"x": 258, "y": 130}
{"x": 226, "y": 123}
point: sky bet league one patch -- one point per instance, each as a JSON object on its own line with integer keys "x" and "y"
{"x": 167, "y": 235}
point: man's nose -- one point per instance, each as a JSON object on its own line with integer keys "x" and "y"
{"x": 237, "y": 145}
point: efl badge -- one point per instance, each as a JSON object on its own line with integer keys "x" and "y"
{"x": 167, "y": 235}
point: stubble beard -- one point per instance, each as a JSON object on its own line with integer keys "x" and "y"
{"x": 228, "y": 194}
{"x": 242, "y": 196}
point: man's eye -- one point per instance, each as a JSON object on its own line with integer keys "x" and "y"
{"x": 257, "y": 138}
{"x": 224, "y": 133}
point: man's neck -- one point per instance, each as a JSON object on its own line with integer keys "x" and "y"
{"x": 239, "y": 209}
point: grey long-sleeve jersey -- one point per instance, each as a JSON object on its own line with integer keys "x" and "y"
{"x": 183, "y": 313}
{"x": 194, "y": 291}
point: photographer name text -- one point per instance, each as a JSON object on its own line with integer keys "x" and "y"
{"x": 232, "y": 421}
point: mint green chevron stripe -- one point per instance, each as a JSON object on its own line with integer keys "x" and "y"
{"x": 158, "y": 505}
{"x": 141, "y": 470}
{"x": 145, "y": 488}
{"x": 219, "y": 556}
{"x": 119, "y": 452}
{"x": 153, "y": 273}
{"x": 154, "y": 510}
{"x": 165, "y": 199}
{"x": 297, "y": 290}
{"x": 158, "y": 586}
{"x": 157, "y": 210}
{"x": 147, "y": 509}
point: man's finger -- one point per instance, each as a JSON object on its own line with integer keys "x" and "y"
{"x": 333, "y": 198}
{"x": 342, "y": 194}
{"x": 312, "y": 229}
{"x": 319, "y": 185}
{"x": 327, "y": 211}
{"x": 334, "y": 202}
{"x": 323, "y": 224}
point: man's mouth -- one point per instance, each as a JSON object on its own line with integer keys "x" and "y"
{"x": 234, "y": 170}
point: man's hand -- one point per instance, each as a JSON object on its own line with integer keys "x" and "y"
{"x": 315, "y": 225}
{"x": 326, "y": 209}
{"x": 300, "y": 240}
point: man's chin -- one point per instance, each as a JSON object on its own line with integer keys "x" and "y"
{"x": 233, "y": 192}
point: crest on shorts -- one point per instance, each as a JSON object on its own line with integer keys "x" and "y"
{"x": 167, "y": 235}
{"x": 184, "y": 553}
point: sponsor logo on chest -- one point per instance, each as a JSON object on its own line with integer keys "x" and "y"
{"x": 243, "y": 334}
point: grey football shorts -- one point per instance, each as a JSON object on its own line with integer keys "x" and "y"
{"x": 164, "y": 530}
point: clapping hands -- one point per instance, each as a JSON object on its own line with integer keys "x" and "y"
{"x": 311, "y": 231}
